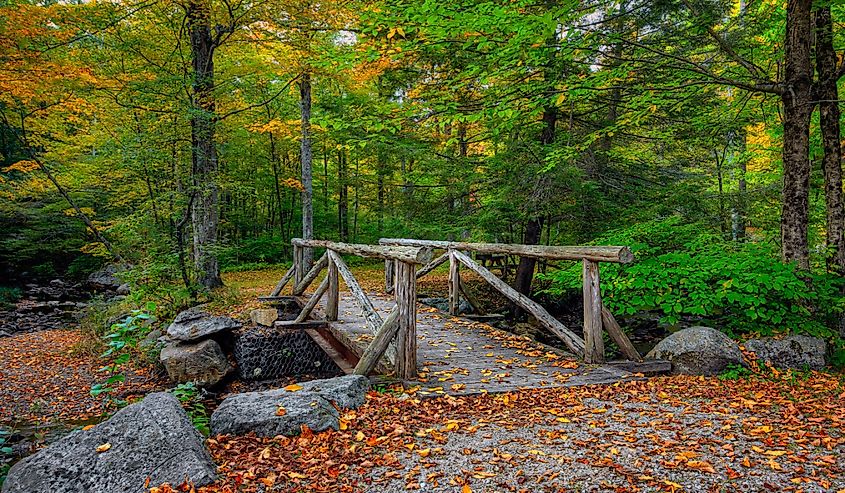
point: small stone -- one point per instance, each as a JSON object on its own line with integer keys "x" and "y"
{"x": 264, "y": 316}
{"x": 202, "y": 363}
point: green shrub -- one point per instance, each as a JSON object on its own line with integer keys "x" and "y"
{"x": 8, "y": 297}
{"x": 684, "y": 271}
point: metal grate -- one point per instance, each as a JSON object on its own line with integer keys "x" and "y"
{"x": 264, "y": 353}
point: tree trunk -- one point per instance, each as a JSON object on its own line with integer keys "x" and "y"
{"x": 306, "y": 158}
{"x": 828, "y": 96}
{"x": 797, "y": 107}
{"x": 205, "y": 213}
{"x": 343, "y": 197}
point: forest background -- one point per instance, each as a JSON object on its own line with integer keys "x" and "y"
{"x": 186, "y": 137}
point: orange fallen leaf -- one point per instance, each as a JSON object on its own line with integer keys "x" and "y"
{"x": 104, "y": 447}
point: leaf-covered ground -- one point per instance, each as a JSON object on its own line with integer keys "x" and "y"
{"x": 772, "y": 432}
{"x": 44, "y": 378}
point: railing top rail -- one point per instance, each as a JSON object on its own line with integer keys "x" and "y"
{"x": 617, "y": 254}
{"x": 410, "y": 254}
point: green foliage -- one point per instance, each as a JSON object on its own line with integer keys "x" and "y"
{"x": 5, "y": 454}
{"x": 189, "y": 395}
{"x": 735, "y": 372}
{"x": 124, "y": 337}
{"x": 682, "y": 271}
{"x": 8, "y": 297}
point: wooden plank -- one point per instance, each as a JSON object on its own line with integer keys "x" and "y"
{"x": 298, "y": 265}
{"x": 572, "y": 341}
{"x": 413, "y": 255}
{"x": 432, "y": 265}
{"x": 312, "y": 302}
{"x": 306, "y": 324}
{"x": 618, "y": 336}
{"x": 388, "y": 275}
{"x": 312, "y": 274}
{"x": 406, "y": 337}
{"x": 330, "y": 350}
{"x": 372, "y": 355}
{"x": 333, "y": 293}
{"x": 593, "y": 342}
{"x": 454, "y": 284}
{"x": 617, "y": 254}
{"x": 281, "y": 285}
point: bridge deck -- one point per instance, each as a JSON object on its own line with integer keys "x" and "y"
{"x": 459, "y": 356}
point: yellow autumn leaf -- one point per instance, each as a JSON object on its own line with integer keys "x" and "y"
{"x": 103, "y": 448}
{"x": 466, "y": 489}
{"x": 293, "y": 387}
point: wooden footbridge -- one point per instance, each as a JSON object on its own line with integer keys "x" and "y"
{"x": 388, "y": 333}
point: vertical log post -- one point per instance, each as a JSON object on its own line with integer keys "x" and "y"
{"x": 389, "y": 267}
{"x": 454, "y": 284}
{"x": 593, "y": 342}
{"x": 333, "y": 293}
{"x": 406, "y": 337}
{"x": 298, "y": 270}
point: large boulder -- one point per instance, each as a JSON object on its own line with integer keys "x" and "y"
{"x": 272, "y": 413}
{"x": 202, "y": 363}
{"x": 346, "y": 392}
{"x": 151, "y": 440}
{"x": 195, "y": 323}
{"x": 797, "y": 351}
{"x": 107, "y": 277}
{"x": 698, "y": 351}
{"x": 284, "y": 411}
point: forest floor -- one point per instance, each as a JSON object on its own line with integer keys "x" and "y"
{"x": 770, "y": 431}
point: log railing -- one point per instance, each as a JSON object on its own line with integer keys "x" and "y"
{"x": 596, "y": 316}
{"x": 394, "y": 338}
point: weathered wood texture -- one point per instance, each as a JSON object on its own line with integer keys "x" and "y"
{"x": 312, "y": 274}
{"x": 333, "y": 292}
{"x": 462, "y": 357}
{"x": 454, "y": 283}
{"x": 618, "y": 254}
{"x": 406, "y": 337}
{"x": 327, "y": 347}
{"x": 364, "y": 302}
{"x": 298, "y": 265}
{"x": 374, "y": 352}
{"x": 414, "y": 255}
{"x": 618, "y": 336}
{"x": 593, "y": 342}
{"x": 572, "y": 341}
{"x": 432, "y": 265}
{"x": 283, "y": 282}
{"x": 312, "y": 302}
{"x": 389, "y": 266}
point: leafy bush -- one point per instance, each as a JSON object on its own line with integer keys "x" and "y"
{"x": 8, "y": 297}
{"x": 124, "y": 336}
{"x": 189, "y": 395}
{"x": 684, "y": 271}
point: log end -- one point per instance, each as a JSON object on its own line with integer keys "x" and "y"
{"x": 626, "y": 256}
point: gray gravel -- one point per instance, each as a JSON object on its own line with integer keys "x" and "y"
{"x": 600, "y": 453}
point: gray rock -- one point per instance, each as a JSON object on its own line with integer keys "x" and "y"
{"x": 797, "y": 351}
{"x": 442, "y": 304}
{"x": 347, "y": 391}
{"x": 264, "y": 316}
{"x": 107, "y": 277}
{"x": 259, "y": 412}
{"x": 194, "y": 324}
{"x": 312, "y": 405}
{"x": 151, "y": 439}
{"x": 698, "y": 351}
{"x": 123, "y": 289}
{"x": 202, "y": 363}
